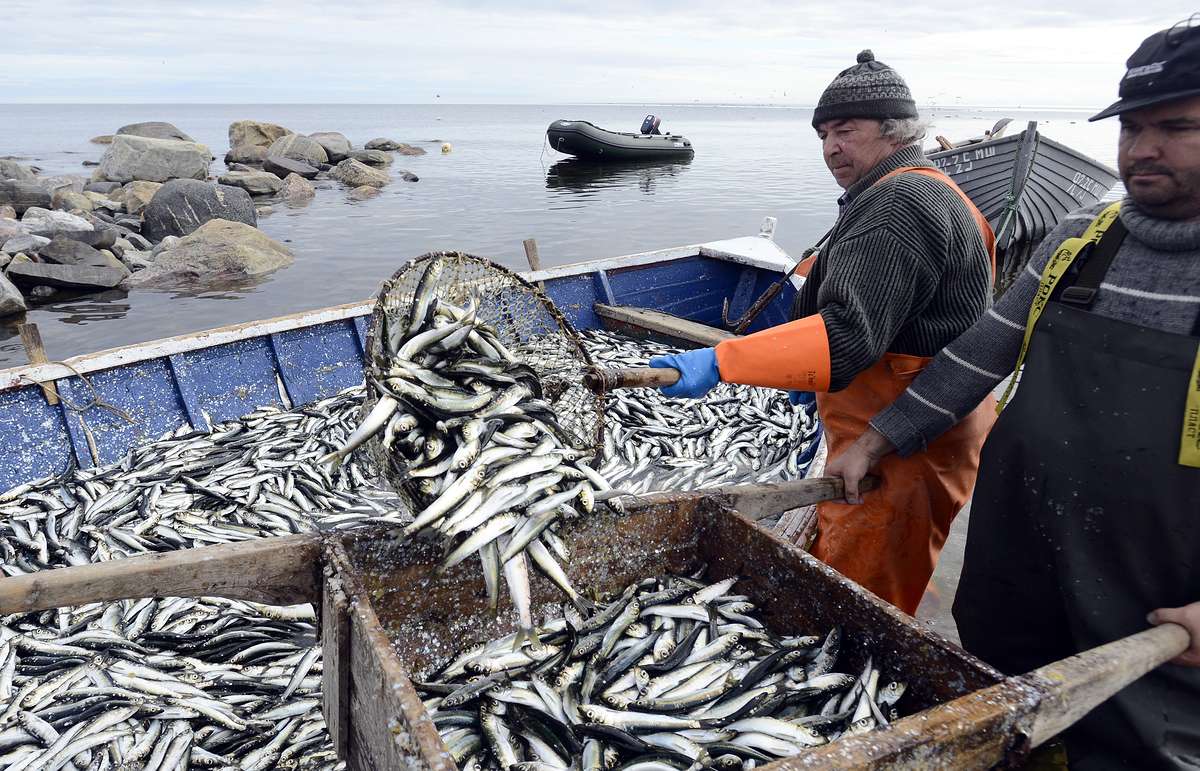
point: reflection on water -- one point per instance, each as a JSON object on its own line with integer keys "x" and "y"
{"x": 578, "y": 175}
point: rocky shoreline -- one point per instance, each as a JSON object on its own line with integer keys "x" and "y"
{"x": 152, "y": 214}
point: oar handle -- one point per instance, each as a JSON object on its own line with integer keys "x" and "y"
{"x": 601, "y": 380}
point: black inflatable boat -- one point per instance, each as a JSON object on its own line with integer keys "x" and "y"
{"x": 585, "y": 140}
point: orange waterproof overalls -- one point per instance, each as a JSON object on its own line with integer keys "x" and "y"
{"x": 889, "y": 544}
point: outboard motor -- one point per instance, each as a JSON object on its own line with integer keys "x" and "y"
{"x": 650, "y": 125}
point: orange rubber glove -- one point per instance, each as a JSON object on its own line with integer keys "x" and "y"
{"x": 792, "y": 356}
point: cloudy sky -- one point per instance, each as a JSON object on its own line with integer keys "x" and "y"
{"x": 1015, "y": 53}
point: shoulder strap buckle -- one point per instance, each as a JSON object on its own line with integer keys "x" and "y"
{"x": 1079, "y": 296}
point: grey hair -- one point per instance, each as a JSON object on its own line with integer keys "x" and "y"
{"x": 905, "y": 131}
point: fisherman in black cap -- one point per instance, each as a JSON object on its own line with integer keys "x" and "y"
{"x": 1085, "y": 524}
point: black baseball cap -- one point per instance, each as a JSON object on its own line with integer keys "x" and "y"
{"x": 1165, "y": 67}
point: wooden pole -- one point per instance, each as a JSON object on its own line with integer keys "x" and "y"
{"x": 31, "y": 338}
{"x": 533, "y": 258}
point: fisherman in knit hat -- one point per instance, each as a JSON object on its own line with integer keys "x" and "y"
{"x": 907, "y": 267}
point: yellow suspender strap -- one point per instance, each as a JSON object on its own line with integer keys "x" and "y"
{"x": 1189, "y": 440}
{"x": 1056, "y": 268}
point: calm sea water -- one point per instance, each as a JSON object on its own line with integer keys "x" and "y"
{"x": 500, "y": 185}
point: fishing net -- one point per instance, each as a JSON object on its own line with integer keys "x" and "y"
{"x": 521, "y": 316}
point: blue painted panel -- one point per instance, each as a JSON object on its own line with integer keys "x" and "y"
{"x": 231, "y": 380}
{"x": 187, "y": 395}
{"x": 319, "y": 361}
{"x": 145, "y": 391}
{"x": 575, "y": 296}
{"x": 35, "y": 437}
{"x": 693, "y": 288}
{"x": 779, "y": 311}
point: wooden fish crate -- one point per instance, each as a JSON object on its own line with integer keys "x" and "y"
{"x": 387, "y": 618}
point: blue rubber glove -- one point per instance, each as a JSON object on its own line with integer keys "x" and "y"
{"x": 698, "y": 372}
{"x": 801, "y": 398}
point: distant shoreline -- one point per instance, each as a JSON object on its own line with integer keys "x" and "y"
{"x": 765, "y": 105}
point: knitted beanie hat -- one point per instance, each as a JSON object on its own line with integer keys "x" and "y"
{"x": 869, "y": 89}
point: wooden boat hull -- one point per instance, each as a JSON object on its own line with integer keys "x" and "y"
{"x": 1024, "y": 184}
{"x": 218, "y": 375}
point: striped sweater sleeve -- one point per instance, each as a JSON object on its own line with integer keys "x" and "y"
{"x": 971, "y": 366}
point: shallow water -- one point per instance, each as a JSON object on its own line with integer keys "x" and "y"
{"x": 500, "y": 185}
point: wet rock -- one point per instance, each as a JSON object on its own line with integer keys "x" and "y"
{"x": 10, "y": 228}
{"x": 167, "y": 244}
{"x": 154, "y": 129}
{"x": 14, "y": 170}
{"x": 336, "y": 145}
{"x": 101, "y": 238}
{"x": 91, "y": 163}
{"x": 297, "y": 189}
{"x": 183, "y": 205}
{"x": 281, "y": 167}
{"x": 11, "y": 299}
{"x": 371, "y": 157}
{"x": 78, "y": 277}
{"x": 138, "y": 242}
{"x": 408, "y": 176}
{"x": 252, "y": 154}
{"x": 60, "y": 182}
{"x": 69, "y": 200}
{"x": 46, "y": 222}
{"x": 298, "y": 148}
{"x": 103, "y": 139}
{"x": 264, "y": 211}
{"x": 382, "y": 143}
{"x": 63, "y": 251}
{"x": 137, "y": 260}
{"x": 41, "y": 292}
{"x": 253, "y": 182}
{"x": 136, "y": 195}
{"x": 7, "y": 213}
{"x": 104, "y": 202}
{"x": 355, "y": 174}
{"x": 241, "y": 167}
{"x": 217, "y": 249}
{"x": 252, "y": 132}
{"x": 131, "y": 158}
{"x": 363, "y": 193}
{"x": 403, "y": 149}
{"x": 21, "y": 195}
{"x": 103, "y": 188}
{"x": 24, "y": 242}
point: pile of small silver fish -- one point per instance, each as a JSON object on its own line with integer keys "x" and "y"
{"x": 161, "y": 684}
{"x": 735, "y": 434}
{"x": 466, "y": 431}
{"x": 671, "y": 674}
{"x": 256, "y": 477}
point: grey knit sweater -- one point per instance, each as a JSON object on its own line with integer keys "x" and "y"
{"x": 1154, "y": 281}
{"x": 905, "y": 270}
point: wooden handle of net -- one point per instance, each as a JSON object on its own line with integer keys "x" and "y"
{"x": 601, "y": 380}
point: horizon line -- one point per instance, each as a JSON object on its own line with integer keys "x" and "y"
{"x": 771, "y": 105}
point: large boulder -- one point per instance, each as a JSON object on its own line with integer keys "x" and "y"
{"x": 11, "y": 299}
{"x": 371, "y": 157}
{"x": 336, "y": 145}
{"x": 298, "y": 148}
{"x": 253, "y": 182}
{"x": 43, "y": 222}
{"x": 97, "y": 239}
{"x": 246, "y": 154}
{"x": 53, "y": 184}
{"x": 14, "y": 170}
{"x": 218, "y": 249}
{"x": 65, "y": 251}
{"x": 154, "y": 160}
{"x": 136, "y": 196}
{"x": 24, "y": 242}
{"x": 77, "y": 277}
{"x": 297, "y": 190}
{"x": 252, "y": 132}
{"x": 104, "y": 188}
{"x": 282, "y": 167}
{"x": 393, "y": 146}
{"x": 9, "y": 227}
{"x": 183, "y": 205}
{"x": 154, "y": 129}
{"x": 68, "y": 200}
{"x": 355, "y": 174}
